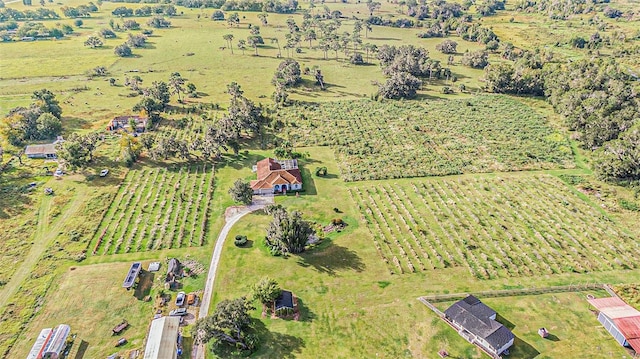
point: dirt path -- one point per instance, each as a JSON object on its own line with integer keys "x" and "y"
{"x": 42, "y": 238}
{"x": 232, "y": 216}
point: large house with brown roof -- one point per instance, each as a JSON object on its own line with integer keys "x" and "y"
{"x": 277, "y": 176}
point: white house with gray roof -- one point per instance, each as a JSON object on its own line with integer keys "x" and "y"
{"x": 476, "y": 322}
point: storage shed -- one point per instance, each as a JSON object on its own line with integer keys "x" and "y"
{"x": 620, "y": 319}
{"x": 162, "y": 341}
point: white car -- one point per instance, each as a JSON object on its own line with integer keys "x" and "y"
{"x": 104, "y": 173}
{"x": 58, "y": 172}
{"x": 180, "y": 299}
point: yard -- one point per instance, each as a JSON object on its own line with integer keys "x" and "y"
{"x": 574, "y": 330}
{"x": 91, "y": 300}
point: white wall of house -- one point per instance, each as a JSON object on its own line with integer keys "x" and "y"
{"x": 506, "y": 346}
{"x": 296, "y": 186}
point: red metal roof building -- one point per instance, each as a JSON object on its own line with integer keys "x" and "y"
{"x": 620, "y": 319}
{"x": 276, "y": 176}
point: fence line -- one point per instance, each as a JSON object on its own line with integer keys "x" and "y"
{"x": 436, "y": 298}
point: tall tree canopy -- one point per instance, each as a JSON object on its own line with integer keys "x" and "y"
{"x": 241, "y": 192}
{"x": 288, "y": 232}
{"x": 229, "y": 326}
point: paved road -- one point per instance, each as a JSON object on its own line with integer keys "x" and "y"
{"x": 232, "y": 215}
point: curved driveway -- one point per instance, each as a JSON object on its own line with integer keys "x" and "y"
{"x": 232, "y": 216}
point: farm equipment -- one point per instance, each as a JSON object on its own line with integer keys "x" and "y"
{"x": 120, "y": 327}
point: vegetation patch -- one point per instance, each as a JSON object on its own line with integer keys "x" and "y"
{"x": 158, "y": 208}
{"x": 494, "y": 227}
{"x": 381, "y": 140}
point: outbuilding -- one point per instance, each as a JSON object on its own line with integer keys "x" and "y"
{"x": 162, "y": 341}
{"x": 47, "y": 151}
{"x": 620, "y": 319}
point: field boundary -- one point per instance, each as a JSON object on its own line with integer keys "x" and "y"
{"x": 438, "y": 298}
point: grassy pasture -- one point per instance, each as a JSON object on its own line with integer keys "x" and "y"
{"x": 92, "y": 301}
{"x": 193, "y": 48}
{"x": 494, "y": 227}
{"x": 158, "y": 208}
{"x": 375, "y": 140}
{"x": 574, "y": 330}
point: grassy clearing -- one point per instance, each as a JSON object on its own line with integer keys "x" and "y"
{"x": 193, "y": 33}
{"x": 385, "y": 140}
{"x": 92, "y": 301}
{"x": 571, "y": 327}
{"x": 493, "y": 227}
{"x": 158, "y": 208}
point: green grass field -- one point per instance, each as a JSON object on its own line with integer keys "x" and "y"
{"x": 554, "y": 225}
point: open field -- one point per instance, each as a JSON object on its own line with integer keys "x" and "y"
{"x": 91, "y": 300}
{"x": 494, "y": 227}
{"x": 374, "y": 140}
{"x": 158, "y": 208}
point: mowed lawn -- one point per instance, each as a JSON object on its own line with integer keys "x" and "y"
{"x": 574, "y": 330}
{"x": 91, "y": 300}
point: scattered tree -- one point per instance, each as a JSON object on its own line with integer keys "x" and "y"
{"x": 93, "y": 42}
{"x": 447, "y": 47}
{"x": 400, "y": 85}
{"x": 288, "y": 232}
{"x": 122, "y": 50}
{"x": 476, "y": 59}
{"x": 77, "y": 150}
{"x": 266, "y": 291}
{"x": 288, "y": 73}
{"x": 229, "y": 326}
{"x": 241, "y": 192}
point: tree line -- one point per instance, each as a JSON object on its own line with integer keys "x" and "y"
{"x": 597, "y": 98}
{"x": 275, "y": 6}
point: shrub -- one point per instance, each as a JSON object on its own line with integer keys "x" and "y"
{"x": 337, "y": 221}
{"x": 357, "y": 59}
{"x": 122, "y": 50}
{"x": 321, "y": 171}
{"x": 240, "y": 240}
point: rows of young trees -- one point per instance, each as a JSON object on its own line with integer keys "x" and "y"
{"x": 595, "y": 96}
